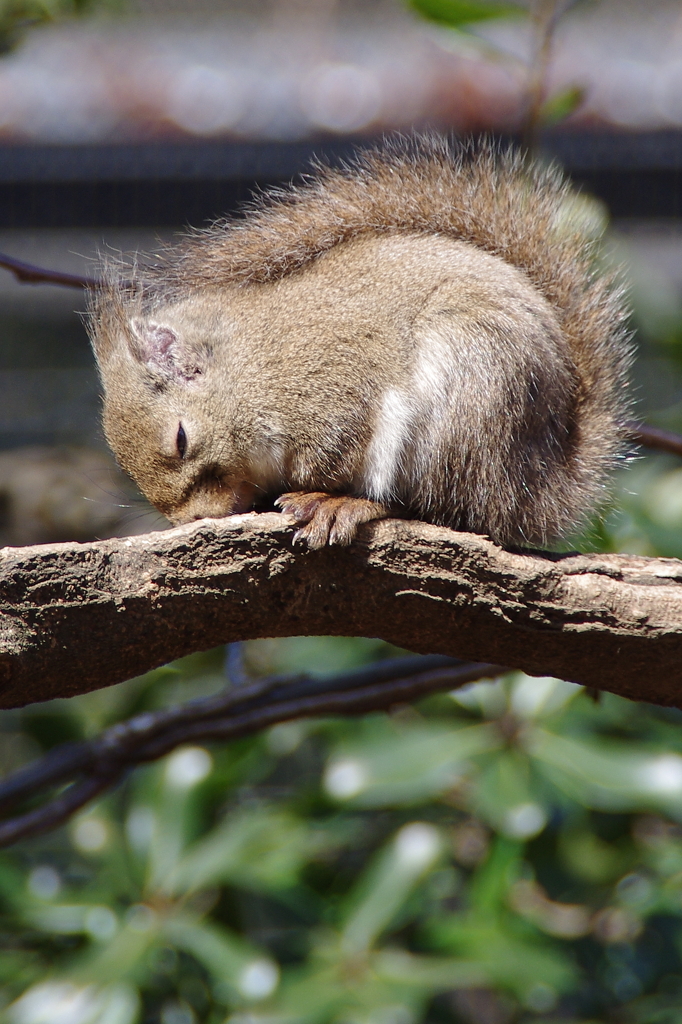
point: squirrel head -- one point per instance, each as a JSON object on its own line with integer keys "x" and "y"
{"x": 160, "y": 395}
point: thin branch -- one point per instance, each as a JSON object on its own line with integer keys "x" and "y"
{"x": 53, "y": 814}
{"x": 544, "y": 17}
{"x": 66, "y": 761}
{"x": 28, "y": 273}
{"x": 98, "y": 764}
{"x": 657, "y": 440}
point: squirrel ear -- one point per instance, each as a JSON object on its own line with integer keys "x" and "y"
{"x": 153, "y": 344}
{"x": 160, "y": 349}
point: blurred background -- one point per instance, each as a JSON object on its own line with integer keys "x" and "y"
{"x": 511, "y": 852}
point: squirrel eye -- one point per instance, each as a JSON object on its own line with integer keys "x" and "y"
{"x": 181, "y": 441}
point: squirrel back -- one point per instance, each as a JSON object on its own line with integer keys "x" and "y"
{"x": 430, "y": 333}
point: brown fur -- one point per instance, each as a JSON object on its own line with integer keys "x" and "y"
{"x": 421, "y": 329}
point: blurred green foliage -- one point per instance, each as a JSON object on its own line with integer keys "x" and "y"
{"x": 18, "y": 16}
{"x": 458, "y": 14}
{"x": 464, "y": 18}
{"x": 511, "y": 851}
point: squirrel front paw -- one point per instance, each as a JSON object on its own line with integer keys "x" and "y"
{"x": 327, "y": 518}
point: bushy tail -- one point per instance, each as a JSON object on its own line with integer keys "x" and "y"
{"x": 491, "y": 198}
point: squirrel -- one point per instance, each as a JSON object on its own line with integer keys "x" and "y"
{"x": 420, "y": 333}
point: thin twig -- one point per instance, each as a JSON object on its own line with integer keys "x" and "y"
{"x": 658, "y": 440}
{"x": 544, "y": 16}
{"x": 95, "y": 766}
{"x": 28, "y": 273}
{"x": 55, "y": 813}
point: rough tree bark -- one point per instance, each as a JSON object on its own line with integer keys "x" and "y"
{"x": 75, "y": 617}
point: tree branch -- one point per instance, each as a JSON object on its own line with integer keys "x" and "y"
{"x": 657, "y": 440}
{"x": 28, "y": 273}
{"x": 99, "y": 764}
{"x": 75, "y": 617}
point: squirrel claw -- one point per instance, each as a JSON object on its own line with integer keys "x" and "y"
{"x": 327, "y": 518}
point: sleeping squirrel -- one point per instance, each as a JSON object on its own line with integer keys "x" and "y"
{"x": 422, "y": 333}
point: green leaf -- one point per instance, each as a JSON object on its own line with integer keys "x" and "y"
{"x": 222, "y": 953}
{"x": 312, "y": 994}
{"x": 456, "y": 13}
{"x": 561, "y": 105}
{"x": 171, "y": 831}
{"x": 388, "y": 882}
{"x": 590, "y": 858}
{"x": 430, "y": 972}
{"x": 506, "y": 797}
{"x": 509, "y": 960}
{"x": 406, "y": 766}
{"x": 125, "y": 956}
{"x": 490, "y": 885}
{"x": 261, "y": 849}
{"x": 234, "y": 963}
{"x": 611, "y": 776}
